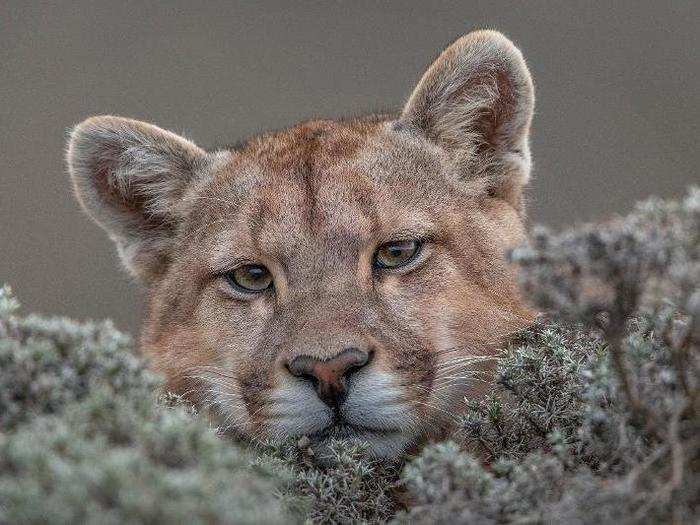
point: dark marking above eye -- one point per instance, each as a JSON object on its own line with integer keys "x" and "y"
{"x": 315, "y": 134}
{"x": 408, "y": 128}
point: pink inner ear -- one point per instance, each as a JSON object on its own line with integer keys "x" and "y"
{"x": 110, "y": 191}
{"x": 492, "y": 123}
{"x": 123, "y": 197}
{"x": 476, "y": 101}
{"x": 476, "y": 96}
{"x": 502, "y": 112}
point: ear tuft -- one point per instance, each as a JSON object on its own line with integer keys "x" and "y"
{"x": 476, "y": 101}
{"x": 130, "y": 177}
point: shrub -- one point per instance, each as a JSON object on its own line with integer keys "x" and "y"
{"x": 595, "y": 415}
{"x": 84, "y": 439}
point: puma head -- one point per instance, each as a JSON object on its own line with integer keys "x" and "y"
{"x": 340, "y": 278}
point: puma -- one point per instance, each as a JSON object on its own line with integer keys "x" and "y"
{"x": 340, "y": 278}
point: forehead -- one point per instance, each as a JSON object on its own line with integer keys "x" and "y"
{"x": 326, "y": 182}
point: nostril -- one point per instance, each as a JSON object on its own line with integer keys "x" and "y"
{"x": 303, "y": 374}
{"x": 311, "y": 378}
{"x": 357, "y": 359}
{"x": 301, "y": 366}
{"x": 329, "y": 375}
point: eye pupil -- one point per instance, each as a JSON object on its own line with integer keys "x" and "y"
{"x": 396, "y": 254}
{"x": 250, "y": 278}
{"x": 256, "y": 273}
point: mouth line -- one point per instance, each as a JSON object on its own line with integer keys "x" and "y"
{"x": 342, "y": 428}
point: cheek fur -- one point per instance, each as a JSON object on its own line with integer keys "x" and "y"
{"x": 441, "y": 332}
{"x": 429, "y": 328}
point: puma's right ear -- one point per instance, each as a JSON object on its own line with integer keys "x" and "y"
{"x": 476, "y": 101}
{"x": 130, "y": 177}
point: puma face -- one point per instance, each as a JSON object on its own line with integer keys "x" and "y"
{"x": 338, "y": 278}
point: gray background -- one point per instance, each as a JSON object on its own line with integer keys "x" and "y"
{"x": 617, "y": 111}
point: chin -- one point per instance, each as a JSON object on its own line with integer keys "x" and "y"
{"x": 385, "y": 445}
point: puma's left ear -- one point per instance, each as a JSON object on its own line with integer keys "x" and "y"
{"x": 476, "y": 101}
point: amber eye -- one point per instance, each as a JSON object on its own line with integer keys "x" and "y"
{"x": 250, "y": 278}
{"x": 395, "y": 254}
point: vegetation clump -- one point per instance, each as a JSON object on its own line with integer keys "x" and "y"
{"x": 594, "y": 415}
{"x": 84, "y": 439}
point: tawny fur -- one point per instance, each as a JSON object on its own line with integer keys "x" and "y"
{"x": 312, "y": 203}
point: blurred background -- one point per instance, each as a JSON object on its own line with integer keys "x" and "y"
{"x": 618, "y": 102}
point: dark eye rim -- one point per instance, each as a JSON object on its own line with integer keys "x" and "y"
{"x": 416, "y": 252}
{"x": 230, "y": 278}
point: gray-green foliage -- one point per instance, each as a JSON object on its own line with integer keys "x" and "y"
{"x": 47, "y": 364}
{"x": 559, "y": 443}
{"x": 595, "y": 415}
{"x": 83, "y": 438}
{"x": 351, "y": 487}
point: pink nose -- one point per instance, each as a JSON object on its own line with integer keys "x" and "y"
{"x": 329, "y": 376}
